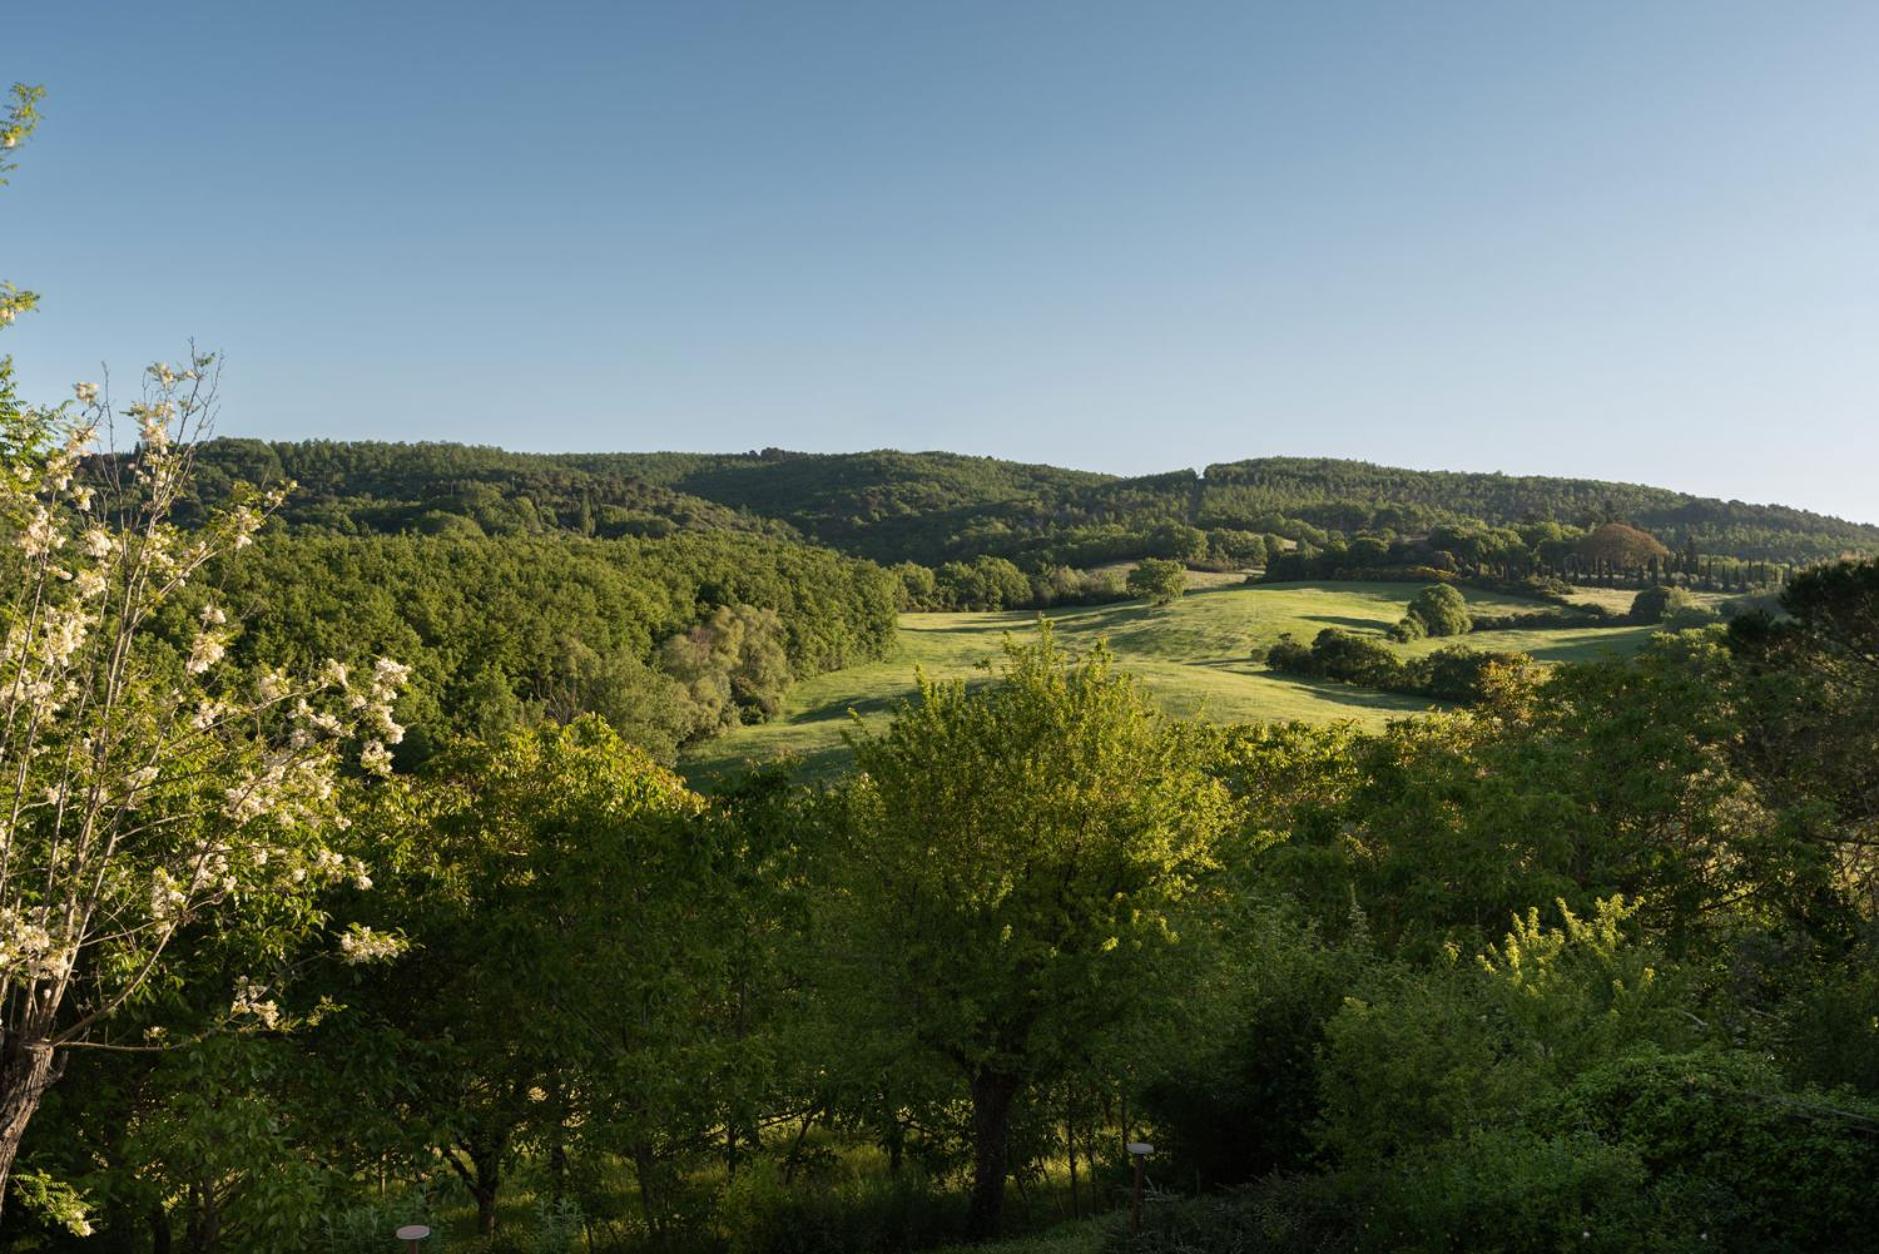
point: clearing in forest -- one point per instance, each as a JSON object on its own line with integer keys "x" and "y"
{"x": 1194, "y": 655}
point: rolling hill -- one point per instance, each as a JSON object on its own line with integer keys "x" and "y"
{"x": 1194, "y": 655}
{"x": 932, "y": 507}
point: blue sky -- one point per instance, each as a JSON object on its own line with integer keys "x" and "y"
{"x": 1630, "y": 240}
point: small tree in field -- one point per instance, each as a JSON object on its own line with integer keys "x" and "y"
{"x": 1158, "y": 581}
{"x": 144, "y": 787}
{"x": 1014, "y": 861}
{"x": 1440, "y": 611}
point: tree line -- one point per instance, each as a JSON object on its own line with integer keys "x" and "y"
{"x": 933, "y": 508}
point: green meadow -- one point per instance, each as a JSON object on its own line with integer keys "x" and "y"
{"x": 1194, "y": 655}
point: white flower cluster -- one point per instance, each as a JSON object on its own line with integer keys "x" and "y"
{"x": 360, "y": 944}
{"x": 372, "y": 708}
{"x": 285, "y": 786}
{"x": 168, "y": 902}
{"x": 252, "y": 1002}
{"x": 29, "y": 948}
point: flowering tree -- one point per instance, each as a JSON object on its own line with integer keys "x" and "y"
{"x": 145, "y": 786}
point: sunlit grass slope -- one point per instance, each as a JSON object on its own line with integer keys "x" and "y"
{"x": 1193, "y": 655}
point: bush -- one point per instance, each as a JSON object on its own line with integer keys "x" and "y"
{"x": 1238, "y": 1102}
{"x": 1290, "y": 656}
{"x": 1512, "y": 1189}
{"x": 1657, "y": 603}
{"x": 367, "y": 1227}
{"x": 1353, "y": 659}
{"x": 1157, "y": 581}
{"x": 1442, "y": 610}
{"x": 1283, "y": 1215}
{"x": 1548, "y": 620}
{"x": 1692, "y": 618}
{"x": 1733, "y": 1152}
{"x": 1463, "y": 675}
{"x": 837, "y": 1213}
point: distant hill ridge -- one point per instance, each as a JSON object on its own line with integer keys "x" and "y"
{"x": 935, "y": 506}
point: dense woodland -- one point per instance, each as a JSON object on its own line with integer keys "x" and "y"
{"x": 671, "y": 641}
{"x": 936, "y": 507}
{"x": 344, "y": 882}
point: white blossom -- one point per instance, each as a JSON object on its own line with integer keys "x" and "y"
{"x": 360, "y": 944}
{"x": 251, "y": 1001}
{"x": 207, "y": 650}
{"x": 375, "y": 758}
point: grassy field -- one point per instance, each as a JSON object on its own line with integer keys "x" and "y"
{"x": 1193, "y": 655}
{"x": 1618, "y": 600}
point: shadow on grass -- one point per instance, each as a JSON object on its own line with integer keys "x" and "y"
{"x": 1349, "y": 694}
{"x": 812, "y": 765}
{"x": 1343, "y": 620}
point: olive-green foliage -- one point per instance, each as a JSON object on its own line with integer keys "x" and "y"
{"x": 984, "y": 583}
{"x": 1455, "y": 673}
{"x": 837, "y": 1211}
{"x": 670, "y": 640}
{"x": 569, "y": 914}
{"x": 1237, "y": 1097}
{"x": 374, "y": 488}
{"x": 1015, "y": 858}
{"x": 936, "y": 507}
{"x": 1157, "y": 581}
{"x": 1811, "y": 730}
{"x": 1552, "y": 1093}
{"x": 1736, "y": 1153}
{"x": 1430, "y": 1054}
{"x": 1327, "y": 962}
{"x": 1441, "y": 610}
{"x": 1660, "y": 602}
{"x": 1352, "y": 496}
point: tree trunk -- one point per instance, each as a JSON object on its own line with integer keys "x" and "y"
{"x": 205, "y": 1220}
{"x": 646, "y": 1172}
{"x": 159, "y": 1230}
{"x": 1070, "y": 1146}
{"x": 488, "y": 1184}
{"x": 896, "y": 1145}
{"x": 992, "y": 1096}
{"x": 25, "y": 1074}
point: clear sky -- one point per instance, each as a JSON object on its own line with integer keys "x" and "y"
{"x": 1627, "y": 240}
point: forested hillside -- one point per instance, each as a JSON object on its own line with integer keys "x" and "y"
{"x": 368, "y": 487}
{"x": 1352, "y": 496}
{"x": 935, "y": 507}
{"x": 672, "y": 641}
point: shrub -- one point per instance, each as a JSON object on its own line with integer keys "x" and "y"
{"x": 1342, "y": 655}
{"x": 1238, "y": 1102}
{"x": 1290, "y": 656}
{"x": 1458, "y": 673}
{"x": 836, "y": 1213}
{"x": 1442, "y": 610}
{"x": 1282, "y": 1215}
{"x": 1157, "y": 581}
{"x": 1733, "y": 1152}
{"x": 1657, "y": 603}
{"x": 1512, "y": 1189}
